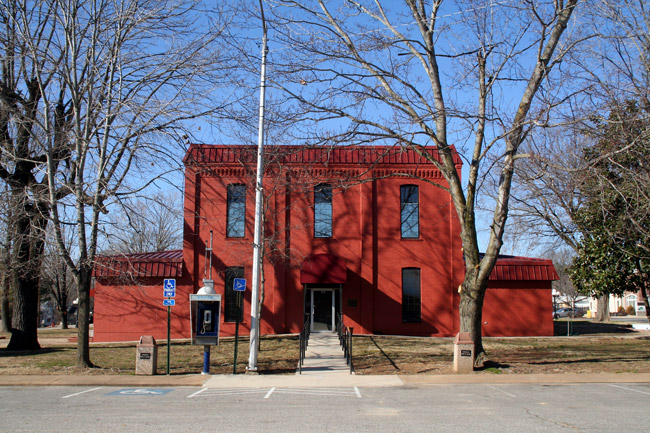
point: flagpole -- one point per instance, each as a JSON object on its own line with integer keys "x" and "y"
{"x": 257, "y": 240}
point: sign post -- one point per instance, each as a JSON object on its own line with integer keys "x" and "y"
{"x": 239, "y": 286}
{"x": 169, "y": 291}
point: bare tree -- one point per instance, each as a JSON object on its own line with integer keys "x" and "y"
{"x": 118, "y": 84}
{"x": 57, "y": 280}
{"x": 563, "y": 176}
{"x": 145, "y": 224}
{"x": 22, "y": 162}
{"x": 441, "y": 74}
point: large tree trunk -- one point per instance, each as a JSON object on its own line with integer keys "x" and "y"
{"x": 25, "y": 273}
{"x": 5, "y": 309}
{"x": 602, "y": 312}
{"x": 471, "y": 314}
{"x": 83, "y": 316}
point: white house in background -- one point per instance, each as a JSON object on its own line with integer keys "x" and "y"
{"x": 629, "y": 299}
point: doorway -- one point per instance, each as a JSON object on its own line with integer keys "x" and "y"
{"x": 323, "y": 313}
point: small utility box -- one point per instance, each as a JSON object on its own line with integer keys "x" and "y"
{"x": 205, "y": 316}
{"x": 463, "y": 353}
{"x": 146, "y": 361}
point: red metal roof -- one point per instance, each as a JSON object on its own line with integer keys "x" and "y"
{"x": 164, "y": 264}
{"x": 511, "y": 268}
{"x": 326, "y": 155}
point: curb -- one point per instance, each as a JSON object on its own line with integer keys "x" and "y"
{"x": 319, "y": 381}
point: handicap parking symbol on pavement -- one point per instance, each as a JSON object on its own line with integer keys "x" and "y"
{"x": 141, "y": 391}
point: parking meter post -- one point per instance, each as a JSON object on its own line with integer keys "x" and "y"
{"x": 206, "y": 360}
{"x": 169, "y": 314}
{"x": 239, "y": 314}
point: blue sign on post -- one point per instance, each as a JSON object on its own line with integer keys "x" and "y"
{"x": 239, "y": 285}
{"x": 169, "y": 288}
{"x": 169, "y": 302}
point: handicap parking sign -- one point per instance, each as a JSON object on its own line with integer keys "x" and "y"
{"x": 169, "y": 288}
{"x": 239, "y": 285}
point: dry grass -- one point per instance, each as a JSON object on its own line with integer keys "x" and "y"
{"x": 576, "y": 354}
{"x": 598, "y": 348}
{"x": 278, "y": 354}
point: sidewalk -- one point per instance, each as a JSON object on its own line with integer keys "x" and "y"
{"x": 317, "y": 381}
{"x": 324, "y": 356}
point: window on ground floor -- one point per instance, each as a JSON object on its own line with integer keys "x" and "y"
{"x": 411, "y": 299}
{"x": 231, "y": 309}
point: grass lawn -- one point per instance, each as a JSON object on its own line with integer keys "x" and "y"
{"x": 278, "y": 354}
{"x": 597, "y": 348}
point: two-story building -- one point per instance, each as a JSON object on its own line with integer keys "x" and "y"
{"x": 366, "y": 232}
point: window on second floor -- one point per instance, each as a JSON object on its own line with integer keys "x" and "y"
{"x": 409, "y": 214}
{"x": 236, "y": 218}
{"x": 323, "y": 211}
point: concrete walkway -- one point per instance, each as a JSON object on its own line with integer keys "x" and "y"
{"x": 324, "y": 356}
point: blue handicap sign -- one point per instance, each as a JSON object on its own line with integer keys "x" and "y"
{"x": 169, "y": 302}
{"x": 169, "y": 288}
{"x": 239, "y": 285}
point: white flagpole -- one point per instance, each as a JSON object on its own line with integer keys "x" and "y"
{"x": 257, "y": 241}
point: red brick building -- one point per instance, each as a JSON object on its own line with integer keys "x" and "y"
{"x": 366, "y": 232}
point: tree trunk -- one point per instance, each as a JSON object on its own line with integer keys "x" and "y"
{"x": 24, "y": 323}
{"x": 30, "y": 226}
{"x": 83, "y": 317}
{"x": 5, "y": 309}
{"x": 471, "y": 317}
{"x": 602, "y": 314}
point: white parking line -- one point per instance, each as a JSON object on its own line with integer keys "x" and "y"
{"x": 197, "y": 392}
{"x": 82, "y": 392}
{"x": 268, "y": 394}
{"x": 500, "y": 390}
{"x": 343, "y": 392}
{"x": 209, "y": 392}
{"x": 630, "y": 389}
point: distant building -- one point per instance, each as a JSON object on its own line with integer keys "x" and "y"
{"x": 363, "y": 232}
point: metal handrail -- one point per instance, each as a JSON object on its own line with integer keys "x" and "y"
{"x": 345, "y": 340}
{"x": 304, "y": 340}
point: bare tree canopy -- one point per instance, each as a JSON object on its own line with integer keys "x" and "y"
{"x": 145, "y": 224}
{"x": 462, "y": 76}
{"x": 97, "y": 99}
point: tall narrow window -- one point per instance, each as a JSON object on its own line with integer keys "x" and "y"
{"x": 236, "y": 218}
{"x": 323, "y": 211}
{"x": 230, "y": 309}
{"x": 411, "y": 304}
{"x": 409, "y": 218}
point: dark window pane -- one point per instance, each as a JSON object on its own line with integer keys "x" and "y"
{"x": 236, "y": 218}
{"x": 231, "y": 309}
{"x": 323, "y": 211}
{"x": 409, "y": 218}
{"x": 411, "y": 308}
